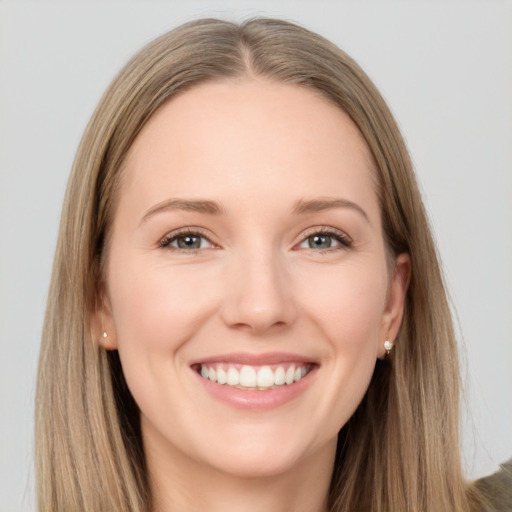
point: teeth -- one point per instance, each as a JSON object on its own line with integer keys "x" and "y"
{"x": 247, "y": 377}
{"x": 262, "y": 378}
{"x": 265, "y": 377}
{"x": 279, "y": 376}
{"x": 222, "y": 376}
{"x": 233, "y": 376}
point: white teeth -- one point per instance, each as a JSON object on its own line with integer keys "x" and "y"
{"x": 289, "y": 375}
{"x": 253, "y": 377}
{"x": 247, "y": 377}
{"x": 279, "y": 377}
{"x": 233, "y": 377}
{"x": 265, "y": 377}
{"x": 222, "y": 377}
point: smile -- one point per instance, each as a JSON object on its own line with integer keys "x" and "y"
{"x": 255, "y": 382}
{"x": 248, "y": 377}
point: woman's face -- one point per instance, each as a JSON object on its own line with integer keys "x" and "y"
{"x": 247, "y": 286}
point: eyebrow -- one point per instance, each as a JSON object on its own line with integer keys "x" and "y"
{"x": 212, "y": 208}
{"x": 318, "y": 205}
{"x": 190, "y": 205}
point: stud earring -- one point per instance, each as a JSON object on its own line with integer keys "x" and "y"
{"x": 105, "y": 335}
{"x": 388, "y": 346}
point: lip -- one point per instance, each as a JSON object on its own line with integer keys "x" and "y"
{"x": 256, "y": 400}
{"x": 245, "y": 358}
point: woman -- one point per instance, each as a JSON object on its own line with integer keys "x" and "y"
{"x": 242, "y": 246}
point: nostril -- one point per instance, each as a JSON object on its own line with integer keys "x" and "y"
{"x": 259, "y": 326}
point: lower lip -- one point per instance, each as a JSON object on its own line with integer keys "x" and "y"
{"x": 256, "y": 400}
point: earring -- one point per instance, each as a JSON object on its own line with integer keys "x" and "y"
{"x": 105, "y": 335}
{"x": 388, "y": 346}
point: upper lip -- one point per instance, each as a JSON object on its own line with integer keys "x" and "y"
{"x": 249, "y": 359}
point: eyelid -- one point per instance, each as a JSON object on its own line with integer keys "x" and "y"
{"x": 342, "y": 237}
{"x": 166, "y": 240}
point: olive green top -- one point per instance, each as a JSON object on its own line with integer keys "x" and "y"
{"x": 497, "y": 488}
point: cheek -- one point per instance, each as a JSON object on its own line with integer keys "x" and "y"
{"x": 156, "y": 312}
{"x": 344, "y": 308}
{"x": 159, "y": 306}
{"x": 348, "y": 303}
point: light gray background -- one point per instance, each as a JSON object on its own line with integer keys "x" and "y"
{"x": 446, "y": 69}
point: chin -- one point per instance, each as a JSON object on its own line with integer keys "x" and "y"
{"x": 242, "y": 463}
{"x": 260, "y": 451}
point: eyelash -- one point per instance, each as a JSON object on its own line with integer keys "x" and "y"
{"x": 167, "y": 240}
{"x": 341, "y": 237}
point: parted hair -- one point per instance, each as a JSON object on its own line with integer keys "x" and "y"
{"x": 399, "y": 452}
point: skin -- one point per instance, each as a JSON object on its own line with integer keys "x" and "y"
{"x": 255, "y": 285}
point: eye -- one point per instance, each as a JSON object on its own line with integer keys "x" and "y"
{"x": 326, "y": 240}
{"x": 188, "y": 241}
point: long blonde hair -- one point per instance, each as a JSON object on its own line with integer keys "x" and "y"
{"x": 400, "y": 450}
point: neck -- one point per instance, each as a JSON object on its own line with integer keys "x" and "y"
{"x": 180, "y": 484}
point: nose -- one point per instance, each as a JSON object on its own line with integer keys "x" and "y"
{"x": 258, "y": 295}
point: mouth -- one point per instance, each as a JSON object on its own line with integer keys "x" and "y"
{"x": 255, "y": 382}
{"x": 253, "y": 377}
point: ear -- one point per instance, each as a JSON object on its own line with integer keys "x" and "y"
{"x": 102, "y": 322}
{"x": 397, "y": 291}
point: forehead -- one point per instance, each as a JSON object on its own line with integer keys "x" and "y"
{"x": 246, "y": 138}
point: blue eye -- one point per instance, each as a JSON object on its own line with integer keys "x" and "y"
{"x": 320, "y": 241}
{"x": 187, "y": 241}
{"x": 325, "y": 240}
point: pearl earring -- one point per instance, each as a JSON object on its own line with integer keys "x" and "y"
{"x": 388, "y": 346}
{"x": 105, "y": 335}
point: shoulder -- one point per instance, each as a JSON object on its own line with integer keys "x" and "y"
{"x": 497, "y": 488}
